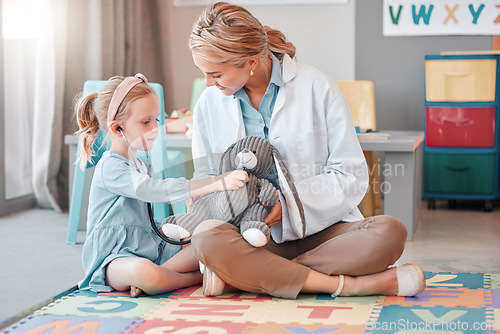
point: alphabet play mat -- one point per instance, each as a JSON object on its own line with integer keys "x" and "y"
{"x": 452, "y": 303}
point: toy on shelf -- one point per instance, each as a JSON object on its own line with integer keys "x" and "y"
{"x": 179, "y": 121}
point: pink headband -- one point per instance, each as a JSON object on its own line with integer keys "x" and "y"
{"x": 121, "y": 91}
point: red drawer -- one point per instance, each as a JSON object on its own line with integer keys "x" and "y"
{"x": 460, "y": 127}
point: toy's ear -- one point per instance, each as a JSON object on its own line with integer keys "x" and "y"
{"x": 226, "y": 161}
{"x": 293, "y": 203}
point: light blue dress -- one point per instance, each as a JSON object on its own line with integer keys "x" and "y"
{"x": 118, "y": 222}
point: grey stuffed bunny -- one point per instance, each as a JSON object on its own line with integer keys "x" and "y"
{"x": 248, "y": 206}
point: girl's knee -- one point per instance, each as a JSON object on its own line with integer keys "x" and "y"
{"x": 124, "y": 272}
{"x": 143, "y": 269}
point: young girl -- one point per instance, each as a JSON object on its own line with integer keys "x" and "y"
{"x": 121, "y": 251}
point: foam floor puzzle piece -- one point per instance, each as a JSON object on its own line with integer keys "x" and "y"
{"x": 363, "y": 300}
{"x": 297, "y": 328}
{"x": 183, "y": 326}
{"x": 242, "y": 311}
{"x": 494, "y": 282}
{"x": 327, "y": 298}
{"x": 495, "y": 299}
{"x": 419, "y": 319}
{"x": 324, "y": 313}
{"x": 196, "y": 292}
{"x": 69, "y": 324}
{"x": 209, "y": 310}
{"x": 443, "y": 297}
{"x": 143, "y": 295}
{"x": 493, "y": 317}
{"x": 455, "y": 280}
{"x": 100, "y": 306}
{"x": 83, "y": 293}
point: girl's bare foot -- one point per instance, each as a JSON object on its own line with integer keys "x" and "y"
{"x": 135, "y": 291}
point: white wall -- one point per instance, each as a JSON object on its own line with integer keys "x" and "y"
{"x": 323, "y": 35}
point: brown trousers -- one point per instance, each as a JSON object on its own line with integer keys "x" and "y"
{"x": 358, "y": 248}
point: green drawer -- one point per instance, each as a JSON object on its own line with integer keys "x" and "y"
{"x": 459, "y": 173}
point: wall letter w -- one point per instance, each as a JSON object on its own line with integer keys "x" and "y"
{"x": 421, "y": 14}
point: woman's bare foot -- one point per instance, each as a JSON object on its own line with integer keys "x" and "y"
{"x": 411, "y": 276}
{"x": 383, "y": 283}
{"x": 135, "y": 291}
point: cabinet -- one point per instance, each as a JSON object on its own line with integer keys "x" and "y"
{"x": 462, "y": 141}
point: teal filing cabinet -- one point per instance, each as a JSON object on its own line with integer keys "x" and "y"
{"x": 462, "y": 112}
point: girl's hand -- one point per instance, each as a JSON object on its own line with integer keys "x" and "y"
{"x": 274, "y": 217}
{"x": 232, "y": 180}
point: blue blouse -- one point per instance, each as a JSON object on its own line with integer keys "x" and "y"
{"x": 257, "y": 121}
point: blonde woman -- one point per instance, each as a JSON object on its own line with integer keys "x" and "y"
{"x": 256, "y": 88}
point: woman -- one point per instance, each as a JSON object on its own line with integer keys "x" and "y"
{"x": 256, "y": 88}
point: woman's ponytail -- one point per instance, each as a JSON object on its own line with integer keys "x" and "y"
{"x": 278, "y": 43}
{"x": 227, "y": 33}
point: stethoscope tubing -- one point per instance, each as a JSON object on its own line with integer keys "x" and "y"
{"x": 150, "y": 206}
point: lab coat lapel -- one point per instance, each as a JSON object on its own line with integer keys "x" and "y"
{"x": 233, "y": 126}
{"x": 289, "y": 70}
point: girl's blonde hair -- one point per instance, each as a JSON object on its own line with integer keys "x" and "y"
{"x": 91, "y": 113}
{"x": 226, "y": 33}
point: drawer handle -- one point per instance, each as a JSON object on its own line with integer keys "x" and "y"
{"x": 462, "y": 122}
{"x": 457, "y": 168}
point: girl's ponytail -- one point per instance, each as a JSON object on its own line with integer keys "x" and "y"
{"x": 89, "y": 126}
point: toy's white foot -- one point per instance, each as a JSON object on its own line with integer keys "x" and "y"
{"x": 175, "y": 231}
{"x": 255, "y": 237}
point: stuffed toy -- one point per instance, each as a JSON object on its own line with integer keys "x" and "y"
{"x": 248, "y": 206}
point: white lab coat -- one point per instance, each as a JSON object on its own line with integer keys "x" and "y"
{"x": 312, "y": 128}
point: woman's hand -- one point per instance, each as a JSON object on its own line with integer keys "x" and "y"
{"x": 232, "y": 180}
{"x": 274, "y": 217}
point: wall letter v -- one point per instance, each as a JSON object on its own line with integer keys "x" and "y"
{"x": 395, "y": 20}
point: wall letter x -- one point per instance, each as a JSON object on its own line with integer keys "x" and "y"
{"x": 451, "y": 14}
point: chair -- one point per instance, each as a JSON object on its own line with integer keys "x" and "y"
{"x": 360, "y": 96}
{"x": 164, "y": 163}
{"x": 198, "y": 88}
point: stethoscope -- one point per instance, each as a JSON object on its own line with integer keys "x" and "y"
{"x": 148, "y": 204}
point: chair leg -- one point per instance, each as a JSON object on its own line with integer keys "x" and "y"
{"x": 376, "y": 182}
{"x": 75, "y": 208}
{"x": 368, "y": 202}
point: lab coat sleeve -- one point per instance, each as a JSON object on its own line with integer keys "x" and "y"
{"x": 334, "y": 193}
{"x": 324, "y": 156}
{"x": 124, "y": 180}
